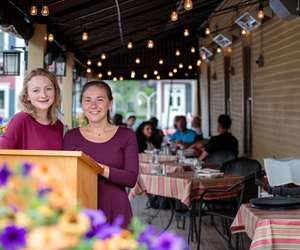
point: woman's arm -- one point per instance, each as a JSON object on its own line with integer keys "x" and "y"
{"x": 126, "y": 177}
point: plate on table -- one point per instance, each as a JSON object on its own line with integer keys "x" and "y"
{"x": 275, "y": 203}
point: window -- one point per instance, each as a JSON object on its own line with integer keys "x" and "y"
{"x": 2, "y": 99}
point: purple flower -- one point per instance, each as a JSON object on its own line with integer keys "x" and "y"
{"x": 4, "y": 174}
{"x": 43, "y": 191}
{"x": 169, "y": 241}
{"x": 13, "y": 237}
{"x": 97, "y": 219}
{"x": 147, "y": 237}
{"x": 26, "y": 168}
{"x": 107, "y": 230}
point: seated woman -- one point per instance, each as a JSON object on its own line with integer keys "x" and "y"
{"x": 146, "y": 138}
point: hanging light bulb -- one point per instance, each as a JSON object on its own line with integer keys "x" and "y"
{"x": 145, "y": 76}
{"x": 50, "y": 37}
{"x": 88, "y": 70}
{"x": 174, "y": 16}
{"x": 85, "y": 35}
{"x": 193, "y": 50}
{"x": 180, "y": 65}
{"x": 129, "y": 45}
{"x": 207, "y": 30}
{"x": 203, "y": 56}
{"x": 99, "y": 63}
{"x": 177, "y": 53}
{"x": 219, "y": 50}
{"x": 132, "y": 74}
{"x": 175, "y": 70}
{"x": 161, "y": 61}
{"x": 137, "y": 60}
{"x": 100, "y": 75}
{"x": 109, "y": 73}
{"x": 33, "y": 10}
{"x": 170, "y": 74}
{"x": 103, "y": 56}
{"x": 190, "y": 67}
{"x": 150, "y": 44}
{"x": 261, "y": 13}
{"x": 45, "y": 37}
{"x": 155, "y": 72}
{"x": 45, "y": 10}
{"x": 121, "y": 78}
{"x": 188, "y": 4}
{"x": 186, "y": 32}
{"x": 89, "y": 62}
{"x": 115, "y": 79}
{"x": 157, "y": 77}
{"x": 199, "y": 62}
{"x": 244, "y": 32}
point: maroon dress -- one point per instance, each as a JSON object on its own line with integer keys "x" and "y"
{"x": 24, "y": 132}
{"x": 120, "y": 154}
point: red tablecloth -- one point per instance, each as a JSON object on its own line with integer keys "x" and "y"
{"x": 269, "y": 229}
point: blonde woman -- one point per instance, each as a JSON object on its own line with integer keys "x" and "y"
{"x": 37, "y": 126}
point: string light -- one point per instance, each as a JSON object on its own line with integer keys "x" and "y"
{"x": 137, "y": 60}
{"x": 207, "y": 30}
{"x": 261, "y": 13}
{"x": 188, "y": 4}
{"x": 129, "y": 45}
{"x": 180, "y": 65}
{"x": 33, "y": 10}
{"x": 109, "y": 73}
{"x": 243, "y": 32}
{"x": 99, "y": 63}
{"x": 229, "y": 49}
{"x": 157, "y": 77}
{"x": 161, "y": 61}
{"x": 50, "y": 37}
{"x": 199, "y": 62}
{"x": 89, "y": 62}
{"x": 150, "y": 44}
{"x": 132, "y": 74}
{"x": 100, "y": 75}
{"x": 115, "y": 79}
{"x": 186, "y": 32}
{"x": 177, "y": 53}
{"x": 145, "y": 76}
{"x": 88, "y": 70}
{"x": 155, "y": 72}
{"x": 174, "y": 16}
{"x": 175, "y": 70}
{"x": 85, "y": 35}
{"x": 219, "y": 50}
{"x": 45, "y": 10}
{"x": 170, "y": 74}
{"x": 121, "y": 78}
{"x": 190, "y": 67}
{"x": 193, "y": 50}
{"x": 103, "y": 56}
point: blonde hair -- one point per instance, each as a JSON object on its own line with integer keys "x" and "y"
{"x": 26, "y": 105}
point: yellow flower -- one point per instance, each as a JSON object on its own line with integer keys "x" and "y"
{"x": 45, "y": 211}
{"x": 116, "y": 243}
{"x": 23, "y": 220}
{"x": 63, "y": 198}
{"x": 50, "y": 238}
{"x": 74, "y": 223}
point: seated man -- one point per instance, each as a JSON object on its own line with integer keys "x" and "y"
{"x": 224, "y": 141}
{"x": 183, "y": 135}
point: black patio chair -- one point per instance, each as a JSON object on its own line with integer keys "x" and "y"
{"x": 220, "y": 157}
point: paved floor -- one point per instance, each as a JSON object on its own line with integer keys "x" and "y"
{"x": 210, "y": 239}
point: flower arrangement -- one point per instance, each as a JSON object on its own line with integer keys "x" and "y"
{"x": 36, "y": 213}
{"x": 2, "y": 126}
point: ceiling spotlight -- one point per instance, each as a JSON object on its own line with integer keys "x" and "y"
{"x": 100, "y": 75}
{"x": 45, "y": 10}
{"x": 150, "y": 44}
{"x": 145, "y": 76}
{"x": 177, "y": 53}
{"x": 180, "y": 65}
{"x": 174, "y": 16}
{"x": 219, "y": 50}
{"x": 33, "y": 10}
{"x": 190, "y": 67}
{"x": 129, "y": 45}
{"x": 186, "y": 32}
{"x": 175, "y": 70}
{"x": 132, "y": 74}
{"x": 261, "y": 13}
{"x": 170, "y": 74}
{"x": 89, "y": 62}
{"x": 88, "y": 70}
{"x": 188, "y": 4}
{"x": 157, "y": 77}
{"x": 193, "y": 50}
{"x": 155, "y": 72}
{"x": 137, "y": 60}
{"x": 199, "y": 62}
{"x": 103, "y": 56}
{"x": 121, "y": 78}
{"x": 161, "y": 61}
{"x": 50, "y": 37}
{"x": 109, "y": 73}
{"x": 85, "y": 35}
{"x": 99, "y": 63}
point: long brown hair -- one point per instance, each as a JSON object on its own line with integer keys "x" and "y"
{"x": 99, "y": 84}
{"x": 26, "y": 105}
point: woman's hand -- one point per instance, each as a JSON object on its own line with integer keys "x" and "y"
{"x": 105, "y": 172}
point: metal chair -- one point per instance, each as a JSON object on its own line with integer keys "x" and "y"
{"x": 220, "y": 157}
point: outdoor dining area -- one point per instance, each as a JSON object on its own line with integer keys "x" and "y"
{"x": 163, "y": 125}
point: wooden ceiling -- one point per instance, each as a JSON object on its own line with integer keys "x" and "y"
{"x": 138, "y": 21}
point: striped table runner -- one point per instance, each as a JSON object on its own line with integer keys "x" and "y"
{"x": 269, "y": 229}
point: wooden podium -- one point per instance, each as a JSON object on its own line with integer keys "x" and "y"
{"x": 79, "y": 171}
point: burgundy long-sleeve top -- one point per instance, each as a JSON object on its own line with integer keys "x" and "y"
{"x": 120, "y": 154}
{"x": 24, "y": 132}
